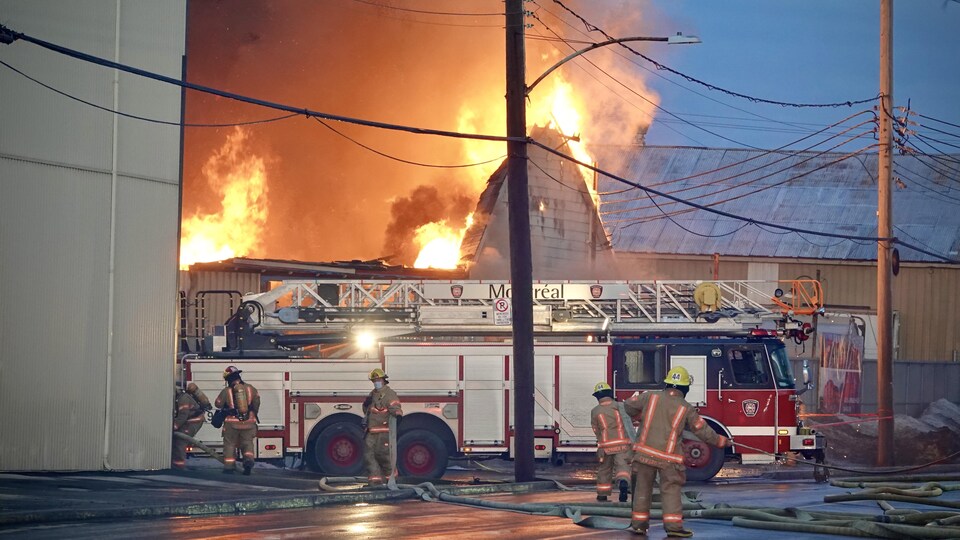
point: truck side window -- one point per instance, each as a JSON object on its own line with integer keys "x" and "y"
{"x": 748, "y": 366}
{"x": 643, "y": 367}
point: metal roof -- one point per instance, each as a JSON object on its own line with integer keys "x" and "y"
{"x": 807, "y": 190}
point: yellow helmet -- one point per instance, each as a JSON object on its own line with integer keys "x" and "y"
{"x": 377, "y": 374}
{"x": 678, "y": 376}
{"x": 600, "y": 387}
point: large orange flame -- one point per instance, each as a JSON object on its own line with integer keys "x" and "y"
{"x": 440, "y": 244}
{"x": 239, "y": 177}
{"x": 557, "y": 106}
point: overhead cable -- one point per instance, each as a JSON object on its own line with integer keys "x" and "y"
{"x": 591, "y": 27}
{"x": 736, "y": 216}
{"x": 401, "y": 160}
{"x": 245, "y": 99}
{"x": 144, "y": 118}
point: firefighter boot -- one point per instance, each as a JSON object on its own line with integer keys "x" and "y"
{"x": 624, "y": 490}
{"x": 640, "y": 531}
{"x": 679, "y": 533}
{"x": 602, "y": 498}
{"x": 247, "y": 467}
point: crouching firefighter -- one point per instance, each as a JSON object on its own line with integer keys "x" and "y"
{"x": 663, "y": 416}
{"x": 190, "y": 406}
{"x": 240, "y": 403}
{"x": 614, "y": 438}
{"x": 379, "y": 452}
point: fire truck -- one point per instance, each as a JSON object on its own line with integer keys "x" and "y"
{"x": 309, "y": 345}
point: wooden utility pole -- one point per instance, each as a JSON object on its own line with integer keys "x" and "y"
{"x": 521, "y": 266}
{"x": 884, "y": 248}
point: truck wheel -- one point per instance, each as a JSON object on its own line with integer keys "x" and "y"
{"x": 421, "y": 453}
{"x": 702, "y": 461}
{"x": 338, "y": 450}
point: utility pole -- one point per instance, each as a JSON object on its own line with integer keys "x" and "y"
{"x": 521, "y": 266}
{"x": 884, "y": 277}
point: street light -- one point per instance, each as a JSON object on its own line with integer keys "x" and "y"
{"x": 521, "y": 267}
{"x": 678, "y": 39}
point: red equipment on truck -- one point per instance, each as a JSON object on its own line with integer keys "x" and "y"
{"x": 308, "y": 346}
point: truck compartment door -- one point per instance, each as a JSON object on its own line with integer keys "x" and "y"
{"x": 484, "y": 390}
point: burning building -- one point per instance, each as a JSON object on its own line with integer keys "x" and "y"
{"x": 568, "y": 240}
{"x": 307, "y": 190}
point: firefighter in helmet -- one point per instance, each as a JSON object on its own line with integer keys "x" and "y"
{"x": 664, "y": 415}
{"x": 241, "y": 403}
{"x": 190, "y": 407}
{"x": 613, "y": 443}
{"x": 380, "y": 405}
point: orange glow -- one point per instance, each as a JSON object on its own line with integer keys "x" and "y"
{"x": 555, "y": 106}
{"x": 440, "y": 244}
{"x": 239, "y": 177}
{"x": 559, "y": 109}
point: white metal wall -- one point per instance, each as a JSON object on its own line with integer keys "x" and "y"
{"x": 88, "y": 236}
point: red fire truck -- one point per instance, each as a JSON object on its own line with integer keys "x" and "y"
{"x": 309, "y": 345}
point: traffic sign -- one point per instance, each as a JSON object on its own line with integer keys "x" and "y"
{"x": 502, "y": 312}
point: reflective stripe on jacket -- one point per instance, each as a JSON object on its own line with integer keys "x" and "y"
{"x": 608, "y": 427}
{"x": 663, "y": 416}
{"x": 382, "y": 404}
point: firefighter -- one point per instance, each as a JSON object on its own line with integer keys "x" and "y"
{"x": 613, "y": 444}
{"x": 190, "y": 407}
{"x": 380, "y": 405}
{"x": 663, "y": 416}
{"x": 241, "y": 403}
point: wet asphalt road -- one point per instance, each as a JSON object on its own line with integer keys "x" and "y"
{"x": 430, "y": 520}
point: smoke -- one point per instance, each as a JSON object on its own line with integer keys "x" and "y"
{"x": 426, "y": 204}
{"x": 329, "y": 197}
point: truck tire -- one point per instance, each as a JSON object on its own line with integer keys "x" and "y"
{"x": 422, "y": 454}
{"x": 338, "y": 450}
{"x": 702, "y": 460}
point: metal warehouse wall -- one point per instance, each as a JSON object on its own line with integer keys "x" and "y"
{"x": 925, "y": 296}
{"x": 88, "y": 237}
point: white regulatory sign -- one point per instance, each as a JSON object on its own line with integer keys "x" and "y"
{"x": 502, "y": 312}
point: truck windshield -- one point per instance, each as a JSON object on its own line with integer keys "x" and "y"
{"x": 781, "y": 367}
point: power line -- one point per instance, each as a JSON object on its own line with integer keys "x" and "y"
{"x": 645, "y": 219}
{"x": 427, "y": 12}
{"x": 658, "y": 65}
{"x": 144, "y": 118}
{"x": 937, "y": 120}
{"x": 634, "y": 105}
{"x": 735, "y": 216}
{"x": 401, "y": 160}
{"x": 786, "y": 155}
{"x": 667, "y": 79}
{"x": 245, "y": 99}
{"x": 757, "y": 179}
{"x": 655, "y": 105}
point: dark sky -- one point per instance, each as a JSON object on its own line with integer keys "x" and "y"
{"x": 329, "y": 198}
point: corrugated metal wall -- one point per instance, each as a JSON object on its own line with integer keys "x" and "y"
{"x": 86, "y": 354}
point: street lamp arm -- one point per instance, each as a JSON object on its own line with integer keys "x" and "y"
{"x": 673, "y": 39}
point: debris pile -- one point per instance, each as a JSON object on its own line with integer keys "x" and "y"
{"x": 933, "y": 436}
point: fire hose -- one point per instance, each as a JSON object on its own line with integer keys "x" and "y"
{"x": 857, "y": 471}
{"x": 196, "y": 443}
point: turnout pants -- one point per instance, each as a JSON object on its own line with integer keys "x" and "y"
{"x": 178, "y": 453}
{"x": 672, "y": 478}
{"x": 376, "y": 456}
{"x": 234, "y": 439}
{"x": 612, "y": 469}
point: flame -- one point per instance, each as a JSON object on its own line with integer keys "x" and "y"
{"x": 239, "y": 178}
{"x": 440, "y": 244}
{"x": 558, "y": 107}
{"x": 560, "y": 110}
